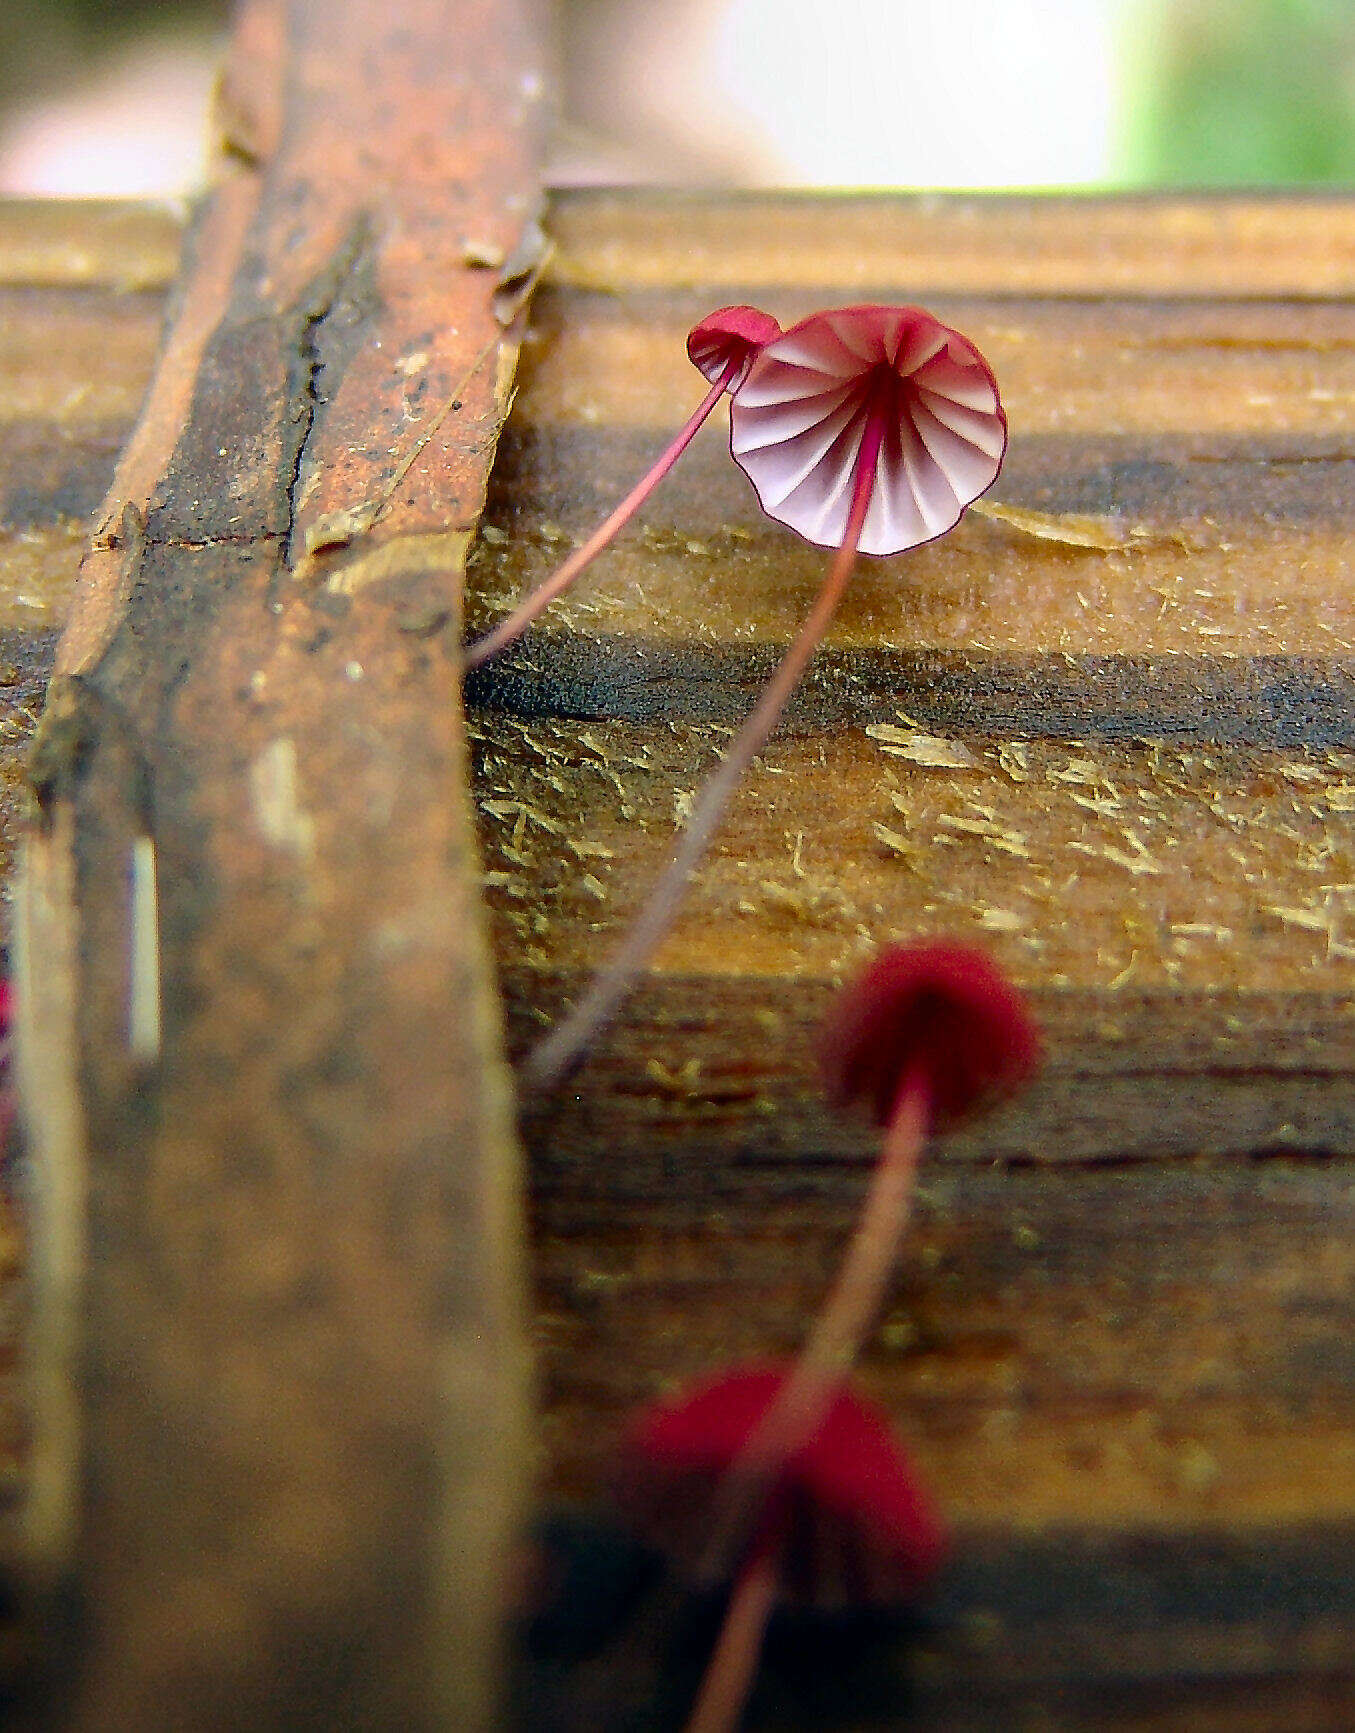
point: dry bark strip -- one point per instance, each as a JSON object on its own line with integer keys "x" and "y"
{"x": 280, "y": 1397}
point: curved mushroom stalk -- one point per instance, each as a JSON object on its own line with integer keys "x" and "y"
{"x": 722, "y": 347}
{"x": 927, "y": 1036}
{"x": 868, "y": 429}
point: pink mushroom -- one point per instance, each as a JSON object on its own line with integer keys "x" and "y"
{"x": 833, "y": 391}
{"x": 845, "y": 1523}
{"x": 722, "y": 347}
{"x": 866, "y": 429}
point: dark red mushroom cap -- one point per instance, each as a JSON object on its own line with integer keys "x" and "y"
{"x": 946, "y": 1009}
{"x": 859, "y": 1529}
{"x": 728, "y": 335}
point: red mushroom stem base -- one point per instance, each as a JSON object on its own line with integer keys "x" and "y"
{"x": 836, "y": 1338}
{"x": 556, "y": 1057}
{"x": 734, "y": 1660}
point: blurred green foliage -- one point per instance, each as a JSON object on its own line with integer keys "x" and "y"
{"x": 44, "y": 43}
{"x": 1231, "y": 92}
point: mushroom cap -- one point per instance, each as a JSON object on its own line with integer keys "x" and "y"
{"x": 729, "y": 334}
{"x": 860, "y": 1530}
{"x": 797, "y": 423}
{"x": 944, "y": 1008}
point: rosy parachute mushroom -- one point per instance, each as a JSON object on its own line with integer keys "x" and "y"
{"x": 722, "y": 347}
{"x": 846, "y": 1522}
{"x": 869, "y": 429}
{"x": 881, "y": 412}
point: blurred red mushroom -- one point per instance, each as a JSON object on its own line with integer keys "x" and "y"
{"x": 928, "y": 1035}
{"x": 722, "y": 347}
{"x": 845, "y": 1522}
{"x": 864, "y": 428}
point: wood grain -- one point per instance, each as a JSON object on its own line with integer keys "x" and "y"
{"x": 1117, "y": 1339}
{"x": 1267, "y": 245}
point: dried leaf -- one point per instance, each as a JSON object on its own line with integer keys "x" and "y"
{"x": 481, "y": 255}
{"x": 521, "y": 271}
{"x": 336, "y": 529}
{"x": 1072, "y": 529}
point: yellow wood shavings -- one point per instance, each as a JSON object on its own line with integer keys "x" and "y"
{"x": 682, "y": 1082}
{"x": 1140, "y": 863}
{"x": 1102, "y": 808}
{"x": 1311, "y": 920}
{"x": 1009, "y": 841}
{"x": 929, "y": 750}
{"x": 900, "y": 845}
{"x": 523, "y": 813}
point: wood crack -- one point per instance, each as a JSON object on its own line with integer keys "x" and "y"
{"x": 335, "y": 304}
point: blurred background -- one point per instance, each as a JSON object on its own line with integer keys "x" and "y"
{"x": 109, "y": 97}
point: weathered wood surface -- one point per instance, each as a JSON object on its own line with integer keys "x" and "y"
{"x": 1120, "y": 1339}
{"x": 279, "y": 1456}
{"x": 1120, "y": 1343}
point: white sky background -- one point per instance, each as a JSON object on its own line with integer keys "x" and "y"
{"x": 947, "y": 93}
{"x": 944, "y": 93}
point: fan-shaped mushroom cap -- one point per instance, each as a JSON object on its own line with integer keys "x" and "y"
{"x": 728, "y": 335}
{"x": 797, "y": 423}
{"x": 859, "y": 1529}
{"x": 947, "y": 1009}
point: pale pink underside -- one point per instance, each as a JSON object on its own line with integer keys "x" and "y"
{"x": 797, "y": 422}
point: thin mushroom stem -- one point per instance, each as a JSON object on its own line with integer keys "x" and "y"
{"x": 527, "y": 610}
{"x": 842, "y": 1325}
{"x": 733, "y": 1663}
{"x": 552, "y": 1061}
{"x": 793, "y": 1415}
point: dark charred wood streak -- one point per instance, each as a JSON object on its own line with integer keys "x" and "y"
{"x": 263, "y": 380}
{"x": 1278, "y": 701}
{"x": 1203, "y": 488}
{"x": 1218, "y": 1629}
{"x": 47, "y": 479}
{"x": 25, "y": 664}
{"x": 1131, "y": 1077}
